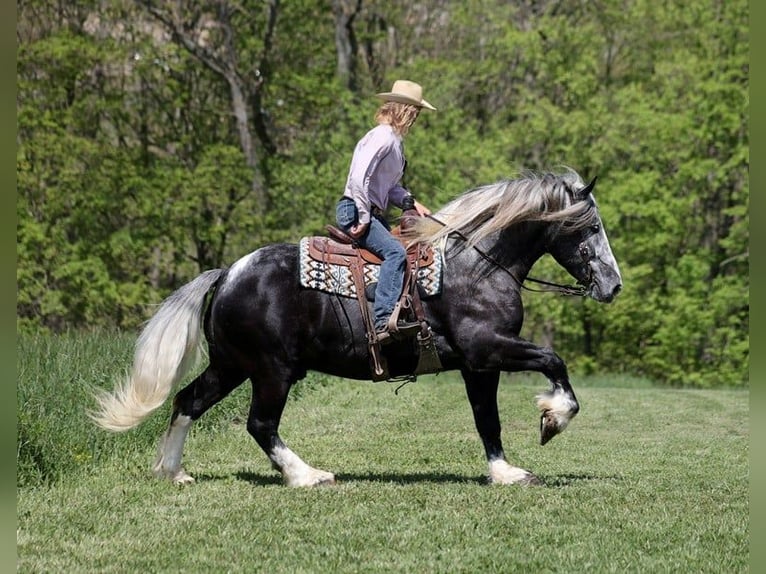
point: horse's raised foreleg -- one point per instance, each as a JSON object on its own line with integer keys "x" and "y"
{"x": 558, "y": 406}
{"x": 189, "y": 404}
{"x": 269, "y": 397}
{"x": 481, "y": 388}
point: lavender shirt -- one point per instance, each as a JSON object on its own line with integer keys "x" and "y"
{"x": 374, "y": 177}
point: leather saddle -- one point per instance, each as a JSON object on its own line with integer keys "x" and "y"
{"x": 340, "y": 249}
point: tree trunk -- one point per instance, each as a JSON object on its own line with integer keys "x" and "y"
{"x": 346, "y": 44}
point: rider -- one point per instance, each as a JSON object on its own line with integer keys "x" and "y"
{"x": 374, "y": 181}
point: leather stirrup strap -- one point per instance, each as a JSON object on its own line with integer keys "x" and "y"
{"x": 378, "y": 362}
{"x": 414, "y": 294}
{"x": 402, "y": 303}
{"x": 428, "y": 358}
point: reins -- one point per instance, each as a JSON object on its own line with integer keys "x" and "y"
{"x": 574, "y": 290}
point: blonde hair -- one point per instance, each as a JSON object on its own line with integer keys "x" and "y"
{"x": 398, "y": 115}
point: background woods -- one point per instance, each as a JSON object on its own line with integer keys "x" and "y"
{"x": 159, "y": 139}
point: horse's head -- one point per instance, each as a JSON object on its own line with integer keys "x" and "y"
{"x": 583, "y": 249}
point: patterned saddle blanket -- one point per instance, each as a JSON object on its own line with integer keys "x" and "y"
{"x": 324, "y": 266}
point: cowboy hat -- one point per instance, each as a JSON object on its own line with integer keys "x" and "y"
{"x": 406, "y": 92}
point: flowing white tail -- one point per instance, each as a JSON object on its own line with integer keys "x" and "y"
{"x": 168, "y": 347}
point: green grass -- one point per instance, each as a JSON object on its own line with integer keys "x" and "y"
{"x": 644, "y": 480}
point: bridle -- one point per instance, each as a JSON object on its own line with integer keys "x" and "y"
{"x": 549, "y": 286}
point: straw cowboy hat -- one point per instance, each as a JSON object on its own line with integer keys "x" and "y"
{"x": 406, "y": 92}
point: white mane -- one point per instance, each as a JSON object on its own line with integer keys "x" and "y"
{"x": 482, "y": 211}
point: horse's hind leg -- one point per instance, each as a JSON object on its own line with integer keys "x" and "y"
{"x": 269, "y": 398}
{"x": 481, "y": 388}
{"x": 189, "y": 404}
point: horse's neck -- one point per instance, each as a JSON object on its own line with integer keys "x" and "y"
{"x": 518, "y": 248}
{"x": 511, "y": 251}
{"x": 524, "y": 245}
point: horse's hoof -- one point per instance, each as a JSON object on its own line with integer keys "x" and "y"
{"x": 531, "y": 480}
{"x": 182, "y": 479}
{"x": 322, "y": 478}
{"x": 329, "y": 481}
{"x": 558, "y": 409}
{"x": 500, "y": 472}
{"x": 317, "y": 478}
{"x": 178, "y": 477}
{"x": 525, "y": 479}
{"x": 548, "y": 427}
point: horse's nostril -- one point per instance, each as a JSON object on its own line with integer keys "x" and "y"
{"x": 616, "y": 290}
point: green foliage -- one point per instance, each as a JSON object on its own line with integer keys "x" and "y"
{"x": 132, "y": 177}
{"x": 56, "y": 376}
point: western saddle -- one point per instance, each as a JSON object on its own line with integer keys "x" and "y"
{"x": 341, "y": 249}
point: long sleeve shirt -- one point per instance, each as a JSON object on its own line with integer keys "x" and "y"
{"x": 374, "y": 178}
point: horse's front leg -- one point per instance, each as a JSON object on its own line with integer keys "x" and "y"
{"x": 481, "y": 388}
{"x": 559, "y": 405}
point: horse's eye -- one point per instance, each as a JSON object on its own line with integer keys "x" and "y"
{"x": 595, "y": 228}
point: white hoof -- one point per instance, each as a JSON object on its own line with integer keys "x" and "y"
{"x": 312, "y": 477}
{"x": 182, "y": 479}
{"x": 295, "y": 472}
{"x": 176, "y": 476}
{"x": 500, "y": 472}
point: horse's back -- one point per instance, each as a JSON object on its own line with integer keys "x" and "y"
{"x": 260, "y": 314}
{"x": 260, "y": 268}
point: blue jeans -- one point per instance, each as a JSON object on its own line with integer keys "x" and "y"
{"x": 379, "y": 240}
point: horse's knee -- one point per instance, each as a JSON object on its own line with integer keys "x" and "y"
{"x": 555, "y": 366}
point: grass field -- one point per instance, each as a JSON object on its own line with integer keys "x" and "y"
{"x": 644, "y": 480}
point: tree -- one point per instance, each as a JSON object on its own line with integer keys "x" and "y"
{"x": 210, "y": 33}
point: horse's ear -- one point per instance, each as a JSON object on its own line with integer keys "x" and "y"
{"x": 581, "y": 194}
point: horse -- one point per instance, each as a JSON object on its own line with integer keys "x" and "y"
{"x": 260, "y": 324}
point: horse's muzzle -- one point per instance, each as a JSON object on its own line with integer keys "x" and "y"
{"x": 605, "y": 285}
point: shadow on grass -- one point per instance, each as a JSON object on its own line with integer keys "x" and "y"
{"x": 267, "y": 479}
{"x": 398, "y": 478}
{"x": 561, "y": 480}
{"x": 411, "y": 478}
{"x": 260, "y": 479}
{"x": 556, "y": 481}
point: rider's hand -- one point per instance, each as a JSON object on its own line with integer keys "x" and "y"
{"x": 421, "y": 209}
{"x": 358, "y": 229}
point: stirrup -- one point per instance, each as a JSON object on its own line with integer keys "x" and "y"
{"x": 400, "y": 330}
{"x": 383, "y": 337}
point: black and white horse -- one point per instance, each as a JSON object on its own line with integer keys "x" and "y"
{"x": 260, "y": 324}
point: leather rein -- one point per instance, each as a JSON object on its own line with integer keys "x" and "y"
{"x": 572, "y": 290}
